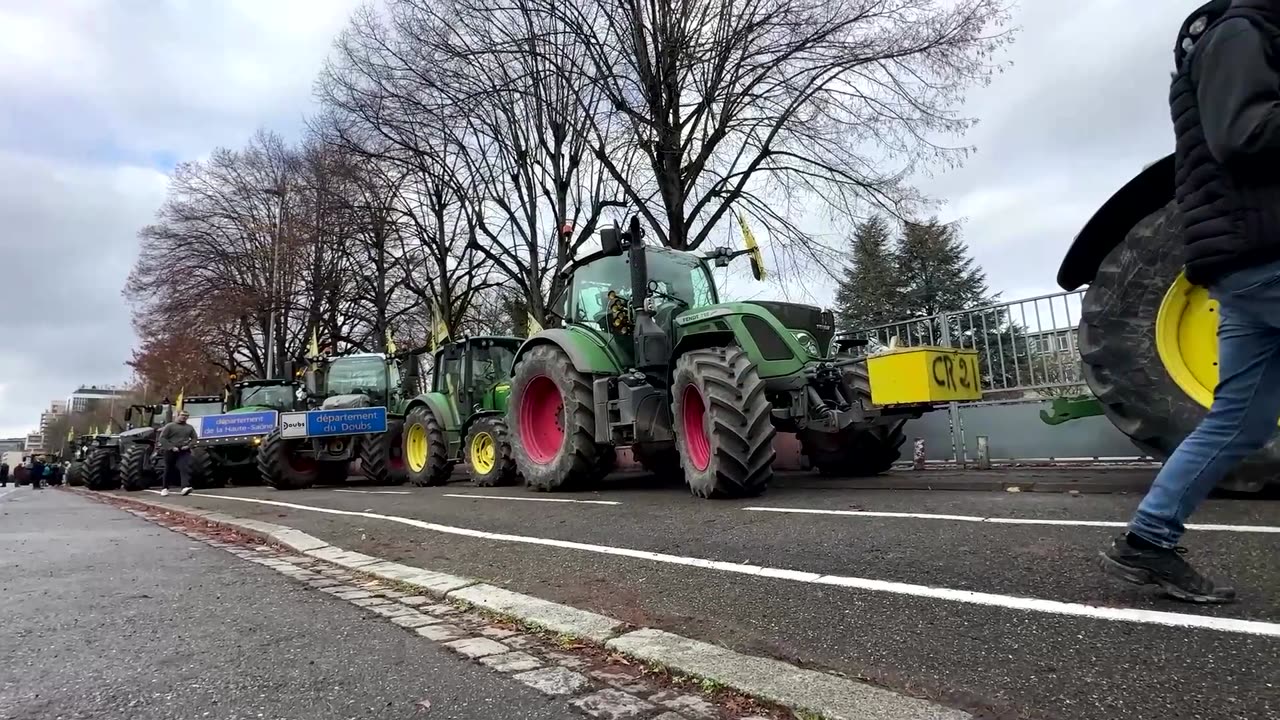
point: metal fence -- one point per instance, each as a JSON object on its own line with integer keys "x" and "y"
{"x": 1025, "y": 347}
{"x": 1028, "y": 352}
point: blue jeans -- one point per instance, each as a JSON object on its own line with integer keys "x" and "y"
{"x": 1246, "y": 405}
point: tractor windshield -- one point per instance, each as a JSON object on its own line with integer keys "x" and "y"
{"x": 673, "y": 274}
{"x": 198, "y": 409}
{"x": 357, "y": 376}
{"x": 491, "y": 365}
{"x": 276, "y": 397}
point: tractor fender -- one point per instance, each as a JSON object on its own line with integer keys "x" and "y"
{"x": 587, "y": 352}
{"x": 1151, "y": 190}
{"x": 700, "y": 341}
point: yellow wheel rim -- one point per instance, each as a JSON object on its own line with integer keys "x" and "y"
{"x": 415, "y": 447}
{"x": 1187, "y": 339}
{"x": 483, "y": 453}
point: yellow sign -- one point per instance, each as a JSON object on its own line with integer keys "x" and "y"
{"x": 923, "y": 375}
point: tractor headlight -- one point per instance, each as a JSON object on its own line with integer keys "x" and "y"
{"x": 807, "y": 342}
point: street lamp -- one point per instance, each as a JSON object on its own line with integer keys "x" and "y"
{"x": 275, "y": 264}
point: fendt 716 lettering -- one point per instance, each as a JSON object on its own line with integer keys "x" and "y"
{"x": 649, "y": 357}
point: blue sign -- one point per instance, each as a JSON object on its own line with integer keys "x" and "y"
{"x": 327, "y": 423}
{"x": 259, "y": 422}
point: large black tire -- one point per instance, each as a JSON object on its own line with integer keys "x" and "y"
{"x": 205, "y": 473}
{"x": 859, "y": 450}
{"x": 503, "y": 471}
{"x": 437, "y": 468}
{"x": 135, "y": 471}
{"x": 1118, "y": 348}
{"x": 578, "y": 462}
{"x": 98, "y": 471}
{"x": 275, "y": 468}
{"x": 736, "y": 421}
{"x": 75, "y": 474}
{"x": 382, "y": 456}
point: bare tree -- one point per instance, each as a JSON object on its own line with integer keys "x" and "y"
{"x": 762, "y": 104}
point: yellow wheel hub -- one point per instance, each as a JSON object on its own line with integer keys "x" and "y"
{"x": 1187, "y": 339}
{"x": 484, "y": 453}
{"x": 415, "y": 448}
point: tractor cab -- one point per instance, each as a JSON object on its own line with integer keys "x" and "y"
{"x": 199, "y": 406}
{"x": 247, "y": 395}
{"x": 360, "y": 380}
{"x": 475, "y": 373}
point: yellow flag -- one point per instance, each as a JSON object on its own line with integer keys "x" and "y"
{"x": 533, "y": 326}
{"x": 314, "y": 349}
{"x": 178, "y": 404}
{"x": 391, "y": 344}
{"x": 749, "y": 240}
{"x": 93, "y": 430}
{"x": 440, "y": 328}
{"x": 71, "y": 434}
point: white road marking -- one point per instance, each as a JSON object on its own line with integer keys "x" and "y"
{"x": 1055, "y": 607}
{"x": 375, "y": 492}
{"x": 530, "y": 499}
{"x": 1008, "y": 520}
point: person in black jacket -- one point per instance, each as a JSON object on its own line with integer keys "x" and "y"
{"x": 4, "y": 474}
{"x": 1225, "y": 102}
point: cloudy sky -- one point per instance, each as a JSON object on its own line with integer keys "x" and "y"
{"x": 101, "y": 97}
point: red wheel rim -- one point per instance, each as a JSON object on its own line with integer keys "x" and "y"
{"x": 542, "y": 420}
{"x": 695, "y": 430}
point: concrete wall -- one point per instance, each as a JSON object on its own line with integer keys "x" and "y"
{"x": 1015, "y": 431}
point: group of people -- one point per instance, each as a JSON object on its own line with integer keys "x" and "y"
{"x": 38, "y": 472}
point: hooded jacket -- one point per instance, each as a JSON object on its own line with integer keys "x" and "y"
{"x": 1225, "y": 103}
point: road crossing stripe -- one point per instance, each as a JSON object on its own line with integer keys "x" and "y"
{"x": 1007, "y": 520}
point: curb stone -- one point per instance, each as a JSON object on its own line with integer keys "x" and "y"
{"x": 776, "y": 681}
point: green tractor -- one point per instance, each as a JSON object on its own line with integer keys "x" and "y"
{"x": 649, "y": 357}
{"x": 79, "y": 452}
{"x": 464, "y": 415}
{"x": 345, "y": 383}
{"x": 105, "y": 459}
{"x": 227, "y": 451}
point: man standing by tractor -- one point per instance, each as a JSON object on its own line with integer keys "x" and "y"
{"x": 1225, "y": 102}
{"x": 175, "y": 443}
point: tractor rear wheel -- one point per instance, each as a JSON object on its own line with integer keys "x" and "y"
{"x": 553, "y": 416}
{"x": 281, "y": 468}
{"x": 723, "y": 423}
{"x": 423, "y": 447}
{"x": 1148, "y": 341}
{"x": 75, "y": 474}
{"x": 489, "y": 456}
{"x": 135, "y": 474}
{"x": 98, "y": 471}
{"x": 382, "y": 456}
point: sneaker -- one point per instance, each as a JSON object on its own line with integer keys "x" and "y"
{"x": 186, "y": 491}
{"x": 1164, "y": 567}
{"x": 164, "y": 492}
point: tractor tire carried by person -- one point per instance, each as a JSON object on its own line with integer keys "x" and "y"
{"x": 489, "y": 455}
{"x": 423, "y": 447}
{"x": 280, "y": 468}
{"x": 723, "y": 423}
{"x": 382, "y": 456}
{"x": 1148, "y": 341}
{"x": 552, "y": 415}
{"x": 75, "y": 474}
{"x": 135, "y": 471}
{"x": 660, "y": 459}
{"x": 204, "y": 472}
{"x": 98, "y": 473}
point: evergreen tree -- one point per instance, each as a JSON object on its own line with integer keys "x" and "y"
{"x": 869, "y": 294}
{"x": 935, "y": 271}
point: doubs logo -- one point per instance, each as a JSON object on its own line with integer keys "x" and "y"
{"x": 291, "y": 425}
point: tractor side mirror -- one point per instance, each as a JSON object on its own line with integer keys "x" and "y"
{"x": 721, "y": 256}
{"x": 611, "y": 240}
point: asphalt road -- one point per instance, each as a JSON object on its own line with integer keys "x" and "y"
{"x": 1002, "y": 661}
{"x": 108, "y": 616}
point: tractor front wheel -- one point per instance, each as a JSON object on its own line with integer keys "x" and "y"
{"x": 281, "y": 468}
{"x": 98, "y": 471}
{"x": 1148, "y": 342}
{"x": 204, "y": 471}
{"x": 75, "y": 474}
{"x": 489, "y": 453}
{"x": 553, "y": 415}
{"x": 134, "y": 473}
{"x": 425, "y": 452}
{"x": 723, "y": 422}
{"x": 382, "y": 456}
